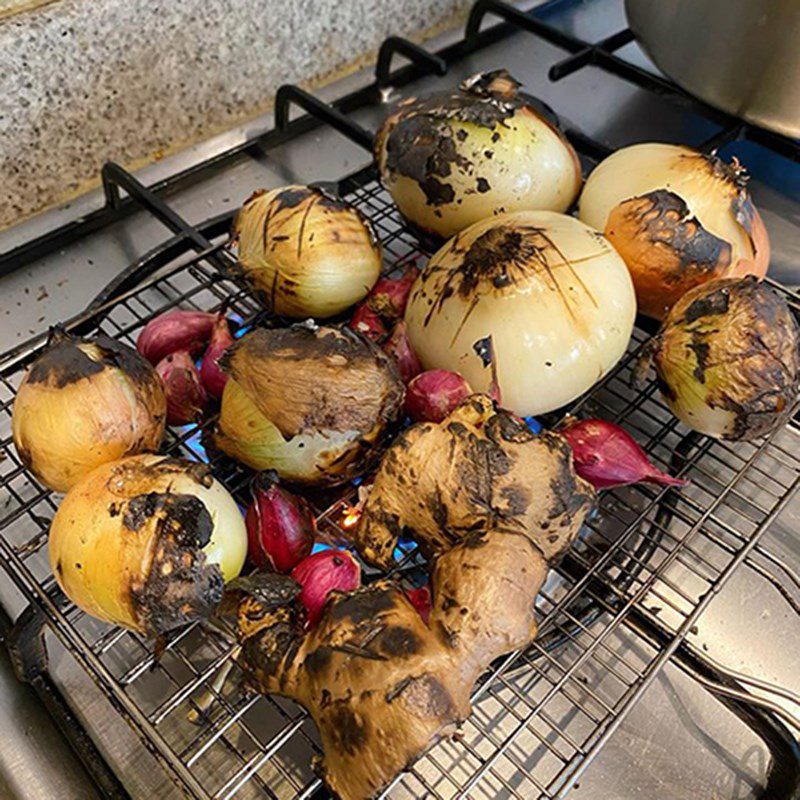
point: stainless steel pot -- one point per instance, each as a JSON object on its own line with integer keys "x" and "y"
{"x": 742, "y": 56}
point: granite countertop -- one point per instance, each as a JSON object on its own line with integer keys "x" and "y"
{"x": 86, "y": 81}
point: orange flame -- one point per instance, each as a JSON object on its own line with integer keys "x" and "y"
{"x": 351, "y": 518}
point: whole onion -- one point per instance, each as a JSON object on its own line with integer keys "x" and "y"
{"x": 314, "y": 404}
{"x": 727, "y": 359}
{"x": 536, "y": 299}
{"x": 175, "y": 330}
{"x": 309, "y": 253}
{"x": 280, "y": 526}
{"x": 85, "y": 402}
{"x": 454, "y": 158}
{"x": 147, "y": 542}
{"x": 321, "y": 574}
{"x": 432, "y": 395}
{"x": 678, "y": 217}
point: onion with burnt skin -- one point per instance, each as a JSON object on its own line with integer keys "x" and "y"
{"x": 678, "y": 217}
{"x": 533, "y": 304}
{"x": 85, "y": 402}
{"x": 313, "y": 404}
{"x": 453, "y": 158}
{"x": 147, "y": 542}
{"x": 309, "y": 253}
{"x": 727, "y": 359}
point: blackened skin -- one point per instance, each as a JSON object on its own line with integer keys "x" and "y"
{"x": 64, "y": 362}
{"x": 746, "y": 344}
{"x": 420, "y": 141}
{"x": 692, "y": 243}
{"x": 180, "y": 586}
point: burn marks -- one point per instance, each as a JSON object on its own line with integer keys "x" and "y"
{"x": 499, "y": 260}
{"x": 347, "y": 730}
{"x": 180, "y": 586}
{"x": 425, "y": 696}
{"x": 422, "y": 138}
{"x": 69, "y": 360}
{"x": 746, "y": 345}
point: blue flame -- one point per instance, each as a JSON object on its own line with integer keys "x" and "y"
{"x": 533, "y": 424}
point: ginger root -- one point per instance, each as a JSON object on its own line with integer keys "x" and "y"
{"x": 484, "y": 497}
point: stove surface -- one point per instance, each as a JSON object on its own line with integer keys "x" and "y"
{"x": 678, "y": 741}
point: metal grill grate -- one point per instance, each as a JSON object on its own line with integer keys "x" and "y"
{"x": 612, "y": 613}
{"x": 644, "y": 563}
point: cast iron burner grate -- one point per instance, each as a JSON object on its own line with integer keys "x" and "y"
{"x": 612, "y": 614}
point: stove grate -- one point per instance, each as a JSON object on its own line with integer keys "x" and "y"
{"x": 622, "y": 604}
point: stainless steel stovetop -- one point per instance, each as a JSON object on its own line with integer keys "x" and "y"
{"x": 678, "y": 741}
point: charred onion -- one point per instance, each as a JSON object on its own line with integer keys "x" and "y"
{"x": 678, "y": 217}
{"x": 454, "y": 158}
{"x": 83, "y": 403}
{"x": 314, "y": 404}
{"x": 309, "y": 253}
{"x": 727, "y": 359}
{"x": 535, "y": 298}
{"x": 147, "y": 542}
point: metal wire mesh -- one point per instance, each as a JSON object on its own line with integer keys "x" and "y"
{"x": 538, "y": 715}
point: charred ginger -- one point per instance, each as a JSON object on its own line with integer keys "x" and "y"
{"x": 492, "y": 505}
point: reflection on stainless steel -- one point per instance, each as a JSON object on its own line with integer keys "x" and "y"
{"x": 742, "y": 56}
{"x": 35, "y": 760}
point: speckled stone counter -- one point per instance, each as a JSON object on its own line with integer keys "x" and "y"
{"x": 84, "y": 81}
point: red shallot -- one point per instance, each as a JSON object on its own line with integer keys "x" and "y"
{"x": 389, "y": 296}
{"x": 607, "y": 456}
{"x": 175, "y": 330}
{"x": 367, "y": 322}
{"x": 399, "y": 348}
{"x": 432, "y": 395}
{"x": 420, "y": 598}
{"x": 322, "y": 573}
{"x": 280, "y": 526}
{"x": 186, "y": 397}
{"x": 214, "y": 379}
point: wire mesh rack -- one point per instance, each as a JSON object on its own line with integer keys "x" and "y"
{"x": 612, "y": 613}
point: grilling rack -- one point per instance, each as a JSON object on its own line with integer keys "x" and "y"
{"x": 648, "y": 563}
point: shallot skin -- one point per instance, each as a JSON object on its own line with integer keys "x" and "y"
{"x": 175, "y": 330}
{"x": 212, "y": 376}
{"x": 280, "y": 526}
{"x": 432, "y": 395}
{"x": 389, "y": 296}
{"x": 186, "y": 397}
{"x": 398, "y": 347}
{"x": 366, "y": 321}
{"x": 322, "y": 573}
{"x": 607, "y": 456}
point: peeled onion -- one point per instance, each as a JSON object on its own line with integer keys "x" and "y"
{"x": 678, "y": 217}
{"x": 727, "y": 359}
{"x": 309, "y": 253}
{"x": 147, "y": 542}
{"x": 537, "y": 298}
{"x": 453, "y": 158}
{"x": 83, "y": 403}
{"x": 314, "y": 404}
